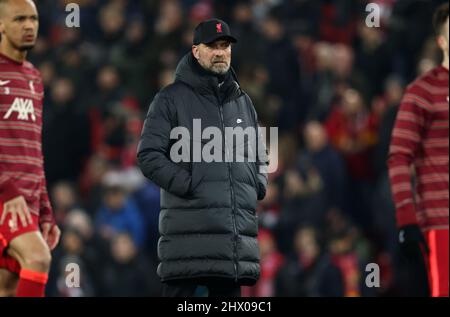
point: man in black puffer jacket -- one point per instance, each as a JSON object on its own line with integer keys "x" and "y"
{"x": 207, "y": 222}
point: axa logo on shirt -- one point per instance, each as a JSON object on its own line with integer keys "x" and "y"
{"x": 24, "y": 109}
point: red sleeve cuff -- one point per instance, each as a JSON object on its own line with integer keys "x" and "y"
{"x": 47, "y": 219}
{"x": 406, "y": 216}
{"x": 9, "y": 191}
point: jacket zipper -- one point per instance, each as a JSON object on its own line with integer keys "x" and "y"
{"x": 233, "y": 203}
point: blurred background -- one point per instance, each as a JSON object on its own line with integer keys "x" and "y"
{"x": 313, "y": 68}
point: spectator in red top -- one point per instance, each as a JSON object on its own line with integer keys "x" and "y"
{"x": 351, "y": 129}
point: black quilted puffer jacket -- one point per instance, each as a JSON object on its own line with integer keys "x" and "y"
{"x": 207, "y": 222}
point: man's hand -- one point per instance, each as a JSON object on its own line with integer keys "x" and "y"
{"x": 18, "y": 208}
{"x": 51, "y": 234}
{"x": 412, "y": 242}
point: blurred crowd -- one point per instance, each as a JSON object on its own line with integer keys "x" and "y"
{"x": 313, "y": 69}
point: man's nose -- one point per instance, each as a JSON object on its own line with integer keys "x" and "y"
{"x": 219, "y": 52}
{"x": 29, "y": 24}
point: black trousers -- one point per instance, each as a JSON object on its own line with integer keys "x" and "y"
{"x": 186, "y": 288}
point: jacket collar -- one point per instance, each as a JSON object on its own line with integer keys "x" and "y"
{"x": 192, "y": 74}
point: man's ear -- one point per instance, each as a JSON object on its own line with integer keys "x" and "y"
{"x": 442, "y": 42}
{"x": 195, "y": 52}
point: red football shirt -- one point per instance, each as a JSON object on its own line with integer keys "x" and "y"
{"x": 21, "y": 159}
{"x": 420, "y": 140}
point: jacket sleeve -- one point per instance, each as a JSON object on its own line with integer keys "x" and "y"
{"x": 263, "y": 166}
{"x": 262, "y": 157}
{"x": 154, "y": 148}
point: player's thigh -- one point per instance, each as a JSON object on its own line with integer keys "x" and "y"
{"x": 30, "y": 249}
{"x": 8, "y": 283}
{"x": 20, "y": 240}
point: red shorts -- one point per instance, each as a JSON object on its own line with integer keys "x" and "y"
{"x": 7, "y": 233}
{"x": 438, "y": 262}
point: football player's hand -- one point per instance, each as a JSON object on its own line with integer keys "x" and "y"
{"x": 51, "y": 234}
{"x": 19, "y": 211}
{"x": 412, "y": 242}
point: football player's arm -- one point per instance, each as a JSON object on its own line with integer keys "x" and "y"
{"x": 47, "y": 223}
